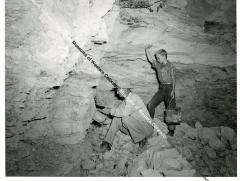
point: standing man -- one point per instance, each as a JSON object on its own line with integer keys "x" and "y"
{"x": 166, "y": 77}
{"x": 129, "y": 118}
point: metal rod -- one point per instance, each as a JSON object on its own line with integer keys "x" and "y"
{"x": 95, "y": 65}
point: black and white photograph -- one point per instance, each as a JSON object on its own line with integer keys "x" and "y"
{"x": 120, "y": 88}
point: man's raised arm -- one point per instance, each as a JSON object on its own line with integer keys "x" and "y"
{"x": 150, "y": 59}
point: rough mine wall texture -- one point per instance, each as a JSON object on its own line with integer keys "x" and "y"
{"x": 202, "y": 48}
{"x": 48, "y": 83}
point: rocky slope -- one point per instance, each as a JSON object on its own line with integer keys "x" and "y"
{"x": 52, "y": 91}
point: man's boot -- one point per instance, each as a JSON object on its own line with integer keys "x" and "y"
{"x": 105, "y": 146}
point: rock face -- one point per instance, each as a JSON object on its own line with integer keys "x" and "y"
{"x": 49, "y": 85}
{"x": 205, "y": 60}
{"x": 52, "y": 91}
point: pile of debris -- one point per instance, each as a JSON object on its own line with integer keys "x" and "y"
{"x": 212, "y": 151}
{"x": 158, "y": 158}
{"x": 198, "y": 151}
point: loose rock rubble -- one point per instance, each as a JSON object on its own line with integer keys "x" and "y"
{"x": 212, "y": 151}
{"x": 158, "y": 158}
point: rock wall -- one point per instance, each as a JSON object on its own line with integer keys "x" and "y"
{"x": 202, "y": 48}
{"x": 49, "y": 94}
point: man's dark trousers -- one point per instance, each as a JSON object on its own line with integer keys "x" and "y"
{"x": 163, "y": 94}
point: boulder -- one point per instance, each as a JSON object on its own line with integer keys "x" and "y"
{"x": 185, "y": 126}
{"x": 198, "y": 125}
{"x": 217, "y": 130}
{"x": 187, "y": 153}
{"x": 207, "y": 134}
{"x": 158, "y": 142}
{"x": 156, "y": 163}
{"x": 216, "y": 144}
{"x": 171, "y": 164}
{"x": 170, "y": 153}
{"x": 99, "y": 117}
{"x": 107, "y": 155}
{"x": 192, "y": 133}
{"x": 159, "y": 157}
{"x": 139, "y": 165}
{"x": 129, "y": 146}
{"x": 88, "y": 164}
{"x": 227, "y": 134}
{"x": 185, "y": 164}
{"x": 122, "y": 162}
{"x": 179, "y": 131}
{"x": 161, "y": 125}
{"x": 210, "y": 152}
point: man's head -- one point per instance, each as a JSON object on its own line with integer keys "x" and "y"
{"x": 161, "y": 56}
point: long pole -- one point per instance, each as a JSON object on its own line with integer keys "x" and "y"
{"x": 95, "y": 65}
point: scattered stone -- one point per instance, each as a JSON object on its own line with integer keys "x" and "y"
{"x": 170, "y": 153}
{"x": 99, "y": 117}
{"x": 88, "y": 164}
{"x": 150, "y": 173}
{"x": 158, "y": 141}
{"x": 227, "y": 134}
{"x": 184, "y": 163}
{"x": 99, "y": 166}
{"x": 107, "y": 155}
{"x": 193, "y": 148}
{"x": 216, "y": 130}
{"x": 156, "y": 161}
{"x": 161, "y": 125}
{"x": 204, "y": 141}
{"x": 138, "y": 166}
{"x": 198, "y": 125}
{"x": 185, "y": 126}
{"x": 192, "y": 133}
{"x": 179, "y": 132}
{"x": 207, "y": 134}
{"x": 183, "y": 173}
{"x": 171, "y": 164}
{"x": 122, "y": 162}
{"x": 159, "y": 157}
{"x": 181, "y": 129}
{"x": 210, "y": 152}
{"x": 128, "y": 146}
{"x": 216, "y": 144}
{"x": 187, "y": 153}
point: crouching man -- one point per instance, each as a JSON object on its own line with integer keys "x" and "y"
{"x": 130, "y": 117}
